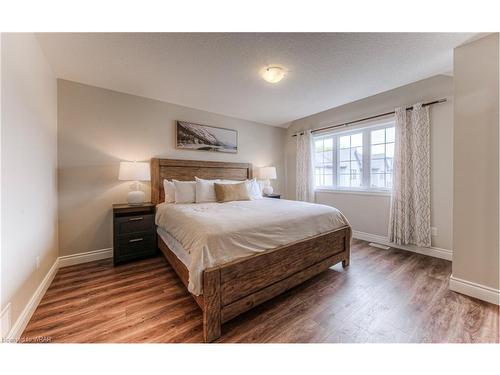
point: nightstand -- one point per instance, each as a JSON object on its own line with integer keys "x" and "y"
{"x": 277, "y": 196}
{"x": 134, "y": 234}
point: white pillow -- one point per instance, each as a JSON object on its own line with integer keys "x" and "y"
{"x": 205, "y": 191}
{"x": 185, "y": 191}
{"x": 254, "y": 189}
{"x": 169, "y": 188}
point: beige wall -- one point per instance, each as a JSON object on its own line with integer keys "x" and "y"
{"x": 98, "y": 128}
{"x": 29, "y": 162}
{"x": 370, "y": 213}
{"x": 476, "y": 223}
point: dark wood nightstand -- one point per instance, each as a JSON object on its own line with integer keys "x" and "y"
{"x": 277, "y": 196}
{"x": 134, "y": 234}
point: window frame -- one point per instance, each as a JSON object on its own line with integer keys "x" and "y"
{"x": 365, "y": 130}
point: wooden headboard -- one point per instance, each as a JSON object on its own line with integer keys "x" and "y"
{"x": 187, "y": 170}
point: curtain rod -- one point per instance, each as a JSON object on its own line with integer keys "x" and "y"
{"x": 368, "y": 118}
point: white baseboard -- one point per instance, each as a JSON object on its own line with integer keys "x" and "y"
{"x": 430, "y": 251}
{"x": 6, "y": 320}
{"x": 90, "y": 256}
{"x": 64, "y": 261}
{"x": 17, "y": 329}
{"x": 475, "y": 290}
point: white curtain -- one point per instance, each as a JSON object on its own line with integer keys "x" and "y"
{"x": 304, "y": 174}
{"x": 410, "y": 217}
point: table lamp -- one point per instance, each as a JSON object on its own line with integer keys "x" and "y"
{"x": 266, "y": 174}
{"x": 135, "y": 171}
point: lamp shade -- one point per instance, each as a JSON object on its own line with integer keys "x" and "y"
{"x": 267, "y": 173}
{"x": 134, "y": 171}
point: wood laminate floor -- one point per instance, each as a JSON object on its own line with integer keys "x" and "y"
{"x": 384, "y": 296}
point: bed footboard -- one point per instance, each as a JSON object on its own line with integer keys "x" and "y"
{"x": 238, "y": 286}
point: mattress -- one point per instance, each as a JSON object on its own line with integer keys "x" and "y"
{"x": 175, "y": 246}
{"x": 216, "y": 233}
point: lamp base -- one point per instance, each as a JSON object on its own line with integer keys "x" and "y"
{"x": 267, "y": 190}
{"x": 136, "y": 198}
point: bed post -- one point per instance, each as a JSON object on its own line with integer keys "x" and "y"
{"x": 155, "y": 180}
{"x": 347, "y": 247}
{"x": 211, "y": 305}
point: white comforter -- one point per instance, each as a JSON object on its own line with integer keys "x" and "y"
{"x": 216, "y": 233}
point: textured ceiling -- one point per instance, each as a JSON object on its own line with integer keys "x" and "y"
{"x": 220, "y": 72}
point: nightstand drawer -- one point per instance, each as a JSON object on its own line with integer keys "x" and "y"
{"x": 137, "y": 244}
{"x": 134, "y": 224}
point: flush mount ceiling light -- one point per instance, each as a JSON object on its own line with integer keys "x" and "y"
{"x": 273, "y": 74}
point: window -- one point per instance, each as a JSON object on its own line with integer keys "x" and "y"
{"x": 360, "y": 159}
{"x": 350, "y": 166}
{"x": 381, "y": 156}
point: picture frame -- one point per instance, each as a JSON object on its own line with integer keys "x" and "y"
{"x": 199, "y": 137}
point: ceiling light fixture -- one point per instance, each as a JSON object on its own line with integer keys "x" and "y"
{"x": 273, "y": 74}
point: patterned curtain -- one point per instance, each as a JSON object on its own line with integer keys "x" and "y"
{"x": 410, "y": 217}
{"x": 304, "y": 173}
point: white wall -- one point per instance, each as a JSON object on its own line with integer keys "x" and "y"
{"x": 476, "y": 222}
{"x": 29, "y": 165}
{"x": 370, "y": 213}
{"x": 98, "y": 128}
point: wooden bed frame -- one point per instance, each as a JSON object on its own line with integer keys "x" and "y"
{"x": 236, "y": 287}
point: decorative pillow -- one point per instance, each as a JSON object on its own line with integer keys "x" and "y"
{"x": 253, "y": 187}
{"x": 231, "y": 192}
{"x": 185, "y": 191}
{"x": 169, "y": 188}
{"x": 205, "y": 191}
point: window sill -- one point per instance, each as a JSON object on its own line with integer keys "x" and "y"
{"x": 383, "y": 193}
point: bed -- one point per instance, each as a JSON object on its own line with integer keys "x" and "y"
{"x": 266, "y": 260}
